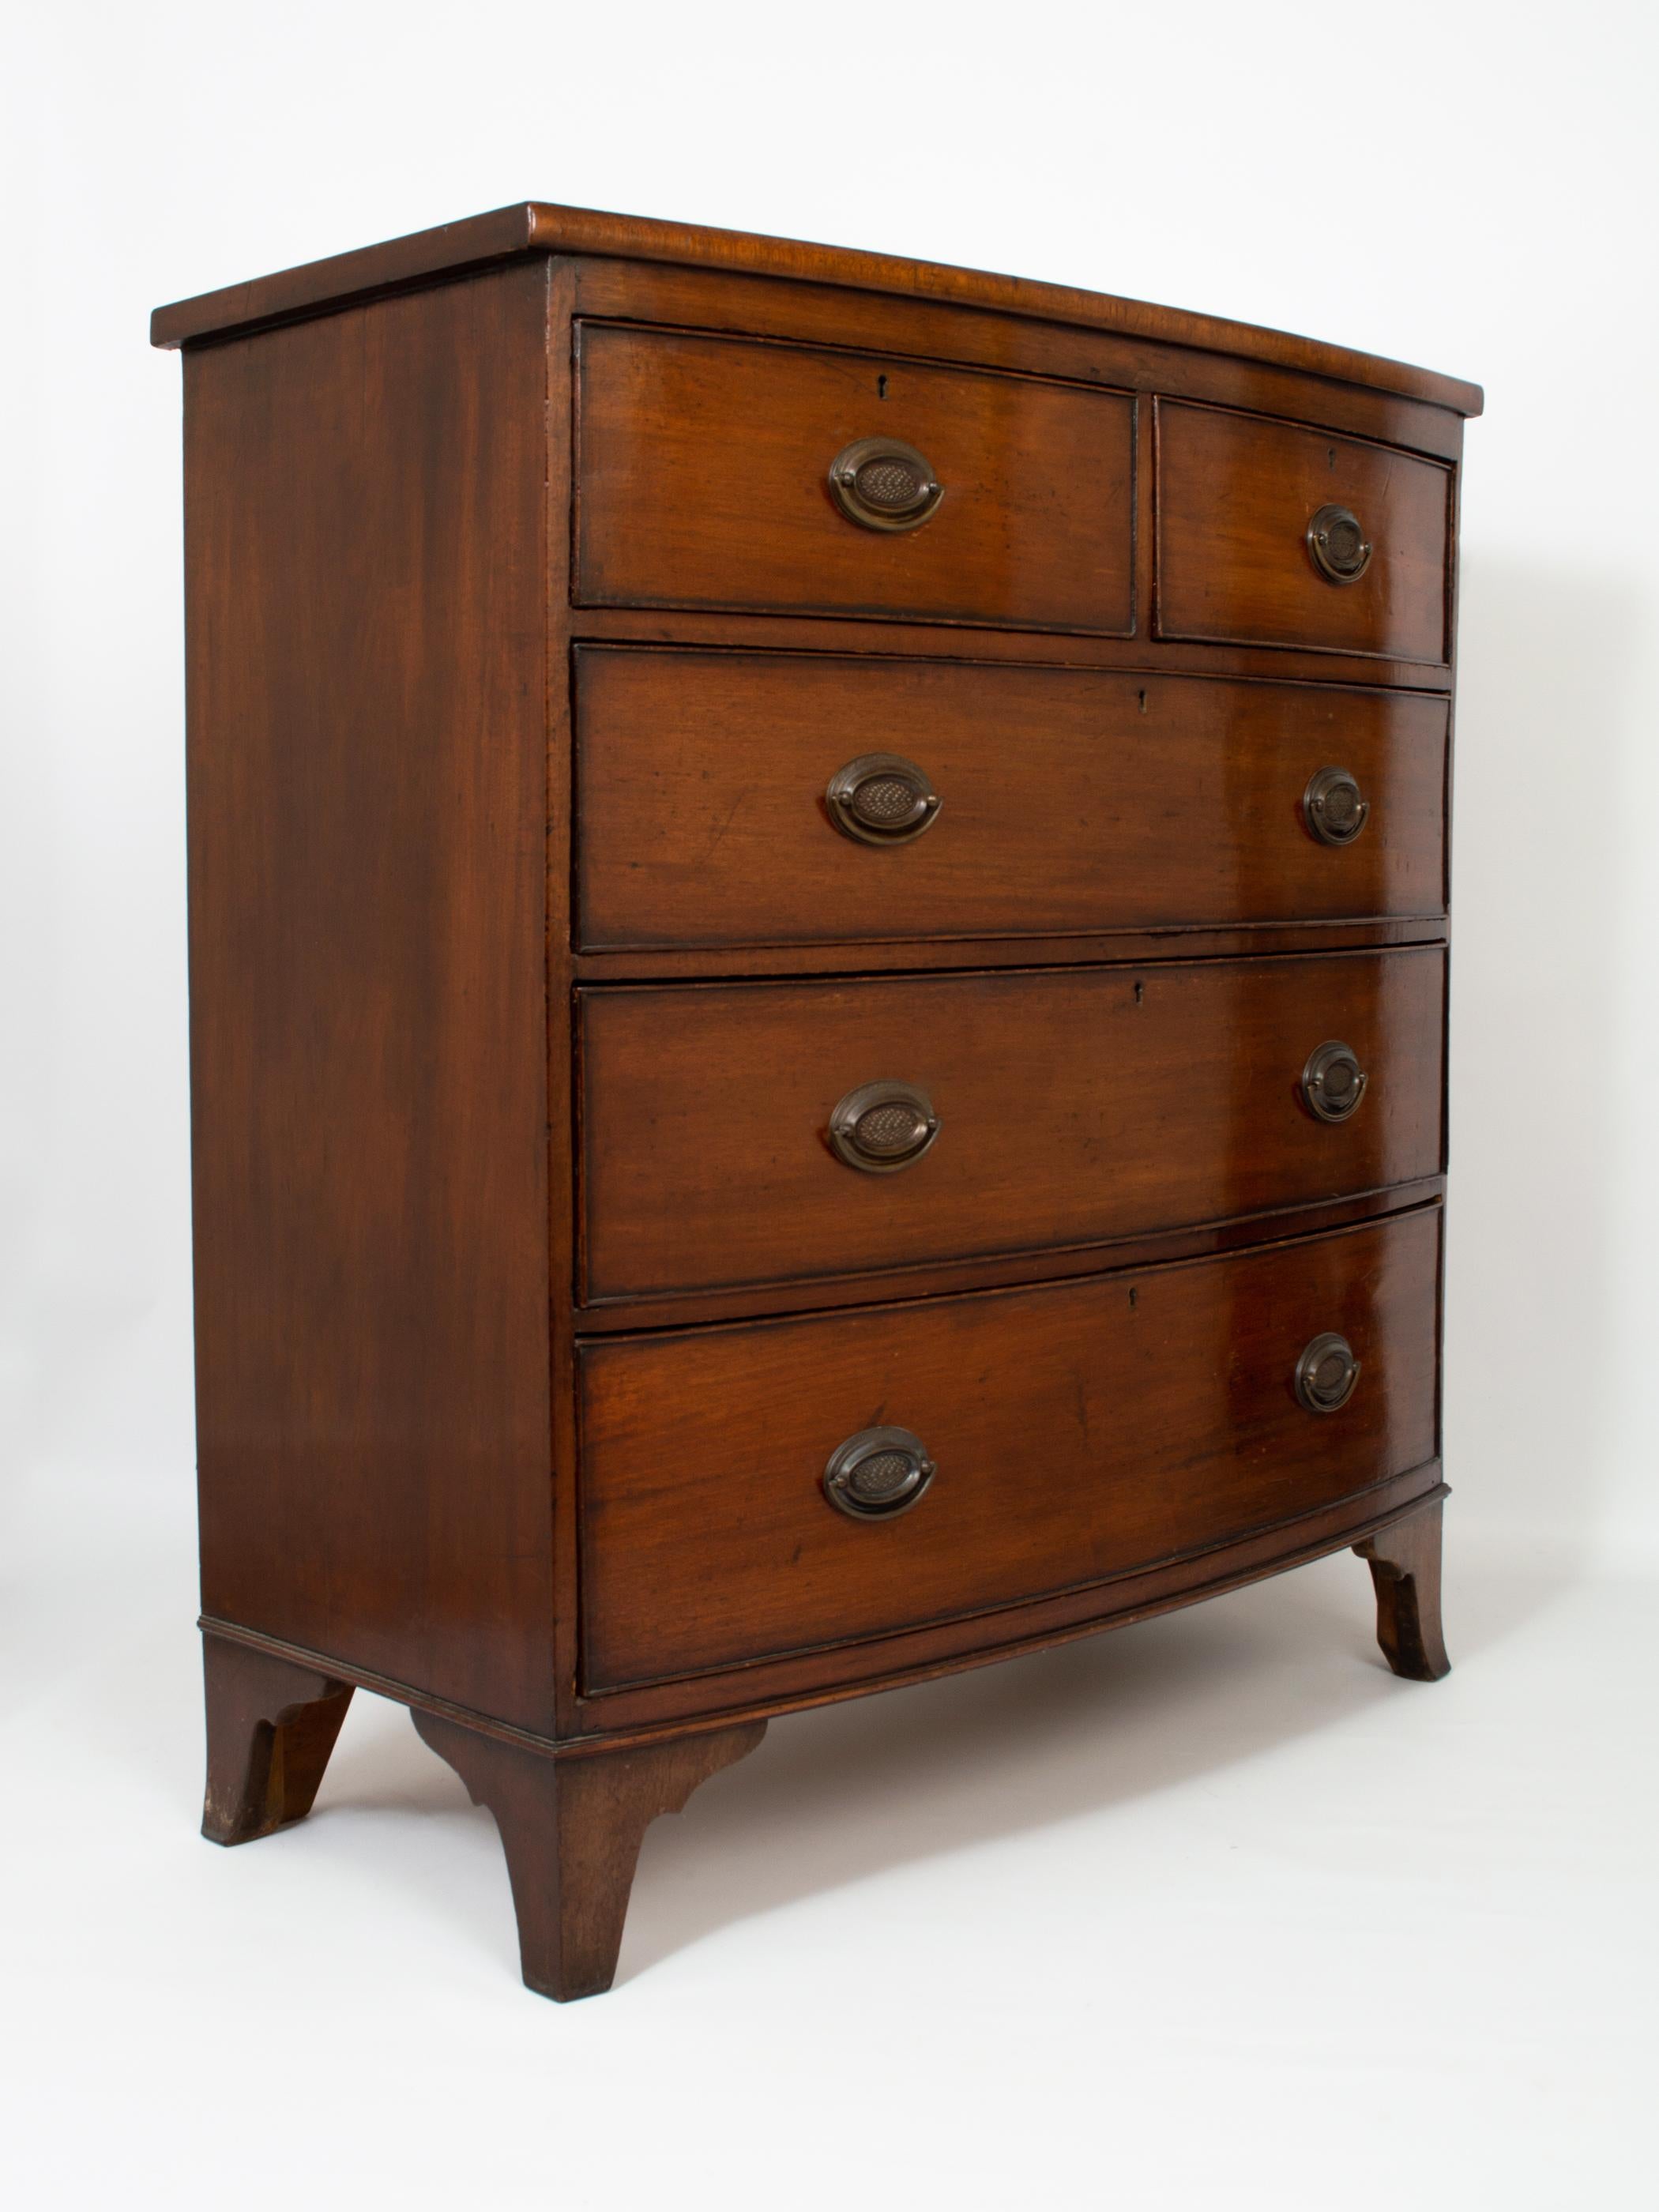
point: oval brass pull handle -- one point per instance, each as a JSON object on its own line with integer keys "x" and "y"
{"x": 1332, "y": 808}
{"x": 1339, "y": 549}
{"x": 1326, "y": 1374}
{"x": 881, "y": 1127}
{"x": 885, "y": 484}
{"x": 1333, "y": 1082}
{"x": 881, "y": 798}
{"x": 877, "y": 1474}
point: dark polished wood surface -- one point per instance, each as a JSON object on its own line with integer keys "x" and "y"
{"x": 535, "y": 227}
{"x": 1074, "y": 1106}
{"x": 702, "y": 480}
{"x": 369, "y": 1009}
{"x": 934, "y": 1279}
{"x": 1069, "y": 802}
{"x": 272, "y": 1727}
{"x": 1143, "y": 655}
{"x": 1080, "y": 1431}
{"x": 1235, "y": 495}
{"x": 571, "y": 1830}
{"x": 748, "y": 307}
{"x": 910, "y": 955}
{"x": 525, "y": 962}
{"x": 1405, "y": 1563}
{"x": 613, "y": 1720}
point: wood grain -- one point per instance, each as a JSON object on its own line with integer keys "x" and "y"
{"x": 1236, "y": 495}
{"x": 1071, "y": 802}
{"x": 1146, "y": 653}
{"x": 526, "y": 968}
{"x": 571, "y": 1830}
{"x": 1405, "y": 1565}
{"x": 540, "y": 228}
{"x": 1079, "y": 1431}
{"x": 1242, "y": 941}
{"x": 270, "y": 1728}
{"x": 1075, "y": 1106}
{"x": 652, "y": 1712}
{"x": 702, "y": 480}
{"x": 759, "y": 307}
{"x": 367, "y": 791}
{"x": 933, "y": 1279}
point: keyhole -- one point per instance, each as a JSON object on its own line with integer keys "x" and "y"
{"x": 1134, "y": 1295}
{"x": 1141, "y": 695}
{"x": 1330, "y": 456}
{"x": 881, "y": 392}
{"x": 1140, "y": 993}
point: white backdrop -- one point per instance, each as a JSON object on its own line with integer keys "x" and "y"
{"x": 1490, "y": 211}
{"x": 1491, "y": 214}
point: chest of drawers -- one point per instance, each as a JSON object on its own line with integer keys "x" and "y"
{"x": 818, "y": 922}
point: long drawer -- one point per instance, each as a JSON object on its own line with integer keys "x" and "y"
{"x": 747, "y": 1134}
{"x": 715, "y": 806}
{"x": 707, "y": 469}
{"x": 1073, "y": 1432}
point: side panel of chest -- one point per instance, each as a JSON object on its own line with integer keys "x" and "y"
{"x": 365, "y": 545}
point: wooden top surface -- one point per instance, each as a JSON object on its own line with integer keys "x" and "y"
{"x": 533, "y": 228}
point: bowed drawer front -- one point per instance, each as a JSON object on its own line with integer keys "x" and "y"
{"x": 1271, "y": 534}
{"x": 1075, "y": 1432}
{"x": 817, "y": 992}
{"x": 704, "y": 480}
{"x": 1069, "y": 1106}
{"x": 987, "y": 801}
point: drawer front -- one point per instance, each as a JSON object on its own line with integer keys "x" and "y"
{"x": 1073, "y": 1106}
{"x": 703, "y": 480}
{"x": 1066, "y": 802}
{"x": 1077, "y": 1431}
{"x": 1238, "y": 497}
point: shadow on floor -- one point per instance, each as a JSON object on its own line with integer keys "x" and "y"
{"x": 851, "y": 1791}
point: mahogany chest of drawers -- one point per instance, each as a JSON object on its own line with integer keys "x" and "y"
{"x": 819, "y": 923}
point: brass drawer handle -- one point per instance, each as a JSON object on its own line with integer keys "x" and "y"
{"x": 1333, "y": 1082}
{"x": 1339, "y": 549}
{"x": 1326, "y": 1374}
{"x": 1332, "y": 808}
{"x": 881, "y": 798}
{"x": 885, "y": 484}
{"x": 877, "y": 1474}
{"x": 881, "y": 1127}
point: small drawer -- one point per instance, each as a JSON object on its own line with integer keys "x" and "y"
{"x": 770, "y": 798}
{"x": 755, "y": 1490}
{"x": 738, "y": 1134}
{"x": 1272, "y": 534}
{"x": 720, "y": 472}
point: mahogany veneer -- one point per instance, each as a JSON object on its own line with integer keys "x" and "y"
{"x": 817, "y": 945}
{"x": 1067, "y": 797}
{"x": 1235, "y": 494}
{"x": 1077, "y": 1104}
{"x": 684, "y": 444}
{"x": 1081, "y": 1430}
